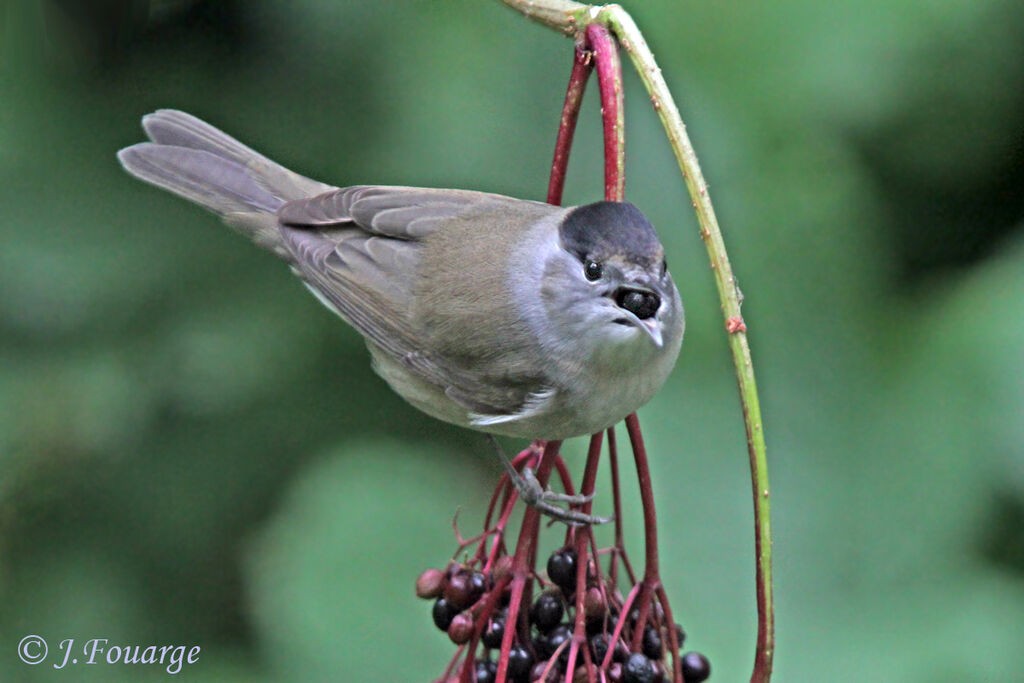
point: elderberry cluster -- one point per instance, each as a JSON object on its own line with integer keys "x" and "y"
{"x": 468, "y": 610}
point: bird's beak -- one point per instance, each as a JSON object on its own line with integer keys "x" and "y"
{"x": 652, "y": 325}
{"x": 653, "y": 329}
{"x": 637, "y": 298}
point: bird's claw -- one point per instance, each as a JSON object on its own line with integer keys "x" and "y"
{"x": 545, "y": 500}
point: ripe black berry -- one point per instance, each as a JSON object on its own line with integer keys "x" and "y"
{"x": 651, "y": 644}
{"x": 547, "y": 612}
{"x": 696, "y": 667}
{"x": 443, "y": 614}
{"x": 494, "y": 632}
{"x": 520, "y": 662}
{"x": 599, "y": 646}
{"x": 542, "y": 674}
{"x": 680, "y": 636}
{"x": 546, "y": 645}
{"x": 486, "y": 671}
{"x": 638, "y": 669}
{"x": 477, "y": 585}
{"x": 562, "y": 568}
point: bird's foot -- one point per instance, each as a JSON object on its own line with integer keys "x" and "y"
{"x": 545, "y": 500}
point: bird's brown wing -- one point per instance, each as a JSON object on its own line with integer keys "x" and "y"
{"x": 358, "y": 248}
{"x": 407, "y": 213}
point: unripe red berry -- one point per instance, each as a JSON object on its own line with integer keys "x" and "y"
{"x": 594, "y": 605}
{"x": 430, "y": 584}
{"x": 502, "y": 568}
{"x": 461, "y": 628}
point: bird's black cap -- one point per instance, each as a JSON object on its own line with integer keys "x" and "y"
{"x": 605, "y": 229}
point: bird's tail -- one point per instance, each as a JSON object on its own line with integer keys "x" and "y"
{"x": 193, "y": 159}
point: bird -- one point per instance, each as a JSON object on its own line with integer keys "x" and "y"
{"x": 507, "y": 316}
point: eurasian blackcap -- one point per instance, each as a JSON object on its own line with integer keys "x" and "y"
{"x": 503, "y": 315}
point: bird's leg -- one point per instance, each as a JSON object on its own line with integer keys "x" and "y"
{"x": 544, "y": 500}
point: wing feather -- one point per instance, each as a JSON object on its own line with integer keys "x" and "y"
{"x": 358, "y": 248}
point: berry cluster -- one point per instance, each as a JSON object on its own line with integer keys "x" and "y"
{"x": 472, "y": 607}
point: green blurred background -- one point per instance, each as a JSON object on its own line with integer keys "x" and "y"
{"x": 192, "y": 451}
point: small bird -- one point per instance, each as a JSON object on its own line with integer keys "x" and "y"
{"x": 503, "y": 315}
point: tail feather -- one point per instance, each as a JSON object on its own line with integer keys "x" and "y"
{"x": 219, "y": 184}
{"x": 178, "y": 129}
{"x": 205, "y": 165}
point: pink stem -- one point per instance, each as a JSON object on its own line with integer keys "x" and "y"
{"x": 522, "y": 563}
{"x": 673, "y": 640}
{"x": 581, "y": 67}
{"x": 619, "y": 552}
{"x": 609, "y": 80}
{"x": 627, "y": 606}
{"x": 652, "y": 580}
{"x": 451, "y": 665}
{"x": 586, "y": 488}
{"x": 643, "y": 473}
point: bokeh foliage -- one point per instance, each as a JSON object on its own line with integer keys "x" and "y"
{"x": 193, "y": 451}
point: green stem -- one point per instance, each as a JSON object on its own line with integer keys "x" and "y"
{"x": 572, "y": 18}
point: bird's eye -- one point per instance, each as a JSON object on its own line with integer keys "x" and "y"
{"x": 592, "y": 270}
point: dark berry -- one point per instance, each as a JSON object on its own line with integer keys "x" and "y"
{"x": 595, "y": 626}
{"x": 638, "y": 669}
{"x": 430, "y": 584}
{"x": 461, "y": 628}
{"x": 562, "y": 568}
{"x": 538, "y": 675}
{"x": 520, "y": 662}
{"x": 680, "y": 636}
{"x": 620, "y": 652}
{"x": 696, "y": 667}
{"x": 540, "y": 646}
{"x": 486, "y": 671}
{"x": 651, "y": 644}
{"x": 599, "y": 646}
{"x": 477, "y": 585}
{"x": 465, "y": 588}
{"x": 546, "y": 645}
{"x": 456, "y": 591}
{"x": 547, "y": 612}
{"x": 443, "y": 614}
{"x": 494, "y": 632}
